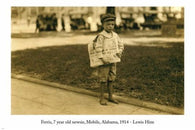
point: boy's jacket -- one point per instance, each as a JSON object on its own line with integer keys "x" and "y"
{"x": 105, "y": 47}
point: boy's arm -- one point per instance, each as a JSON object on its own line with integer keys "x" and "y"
{"x": 120, "y": 45}
{"x": 99, "y": 46}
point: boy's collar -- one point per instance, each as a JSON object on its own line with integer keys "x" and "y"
{"x": 106, "y": 34}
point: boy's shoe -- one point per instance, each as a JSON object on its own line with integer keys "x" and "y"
{"x": 103, "y": 102}
{"x": 113, "y": 100}
{"x": 110, "y": 93}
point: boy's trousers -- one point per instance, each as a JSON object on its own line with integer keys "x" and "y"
{"x": 107, "y": 72}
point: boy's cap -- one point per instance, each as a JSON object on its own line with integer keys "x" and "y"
{"x": 108, "y": 17}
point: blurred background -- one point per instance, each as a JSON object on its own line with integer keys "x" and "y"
{"x": 38, "y": 19}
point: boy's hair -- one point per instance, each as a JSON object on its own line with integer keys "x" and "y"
{"x": 107, "y": 17}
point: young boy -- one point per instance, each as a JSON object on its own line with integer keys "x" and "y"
{"x": 109, "y": 48}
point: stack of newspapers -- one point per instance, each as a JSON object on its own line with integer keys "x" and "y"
{"x": 108, "y": 55}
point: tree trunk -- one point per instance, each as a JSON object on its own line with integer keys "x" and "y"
{"x": 110, "y": 10}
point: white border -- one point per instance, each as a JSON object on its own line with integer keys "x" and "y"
{"x": 98, "y": 3}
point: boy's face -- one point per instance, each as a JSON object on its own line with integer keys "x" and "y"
{"x": 108, "y": 25}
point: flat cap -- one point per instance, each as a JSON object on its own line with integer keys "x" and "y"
{"x": 108, "y": 17}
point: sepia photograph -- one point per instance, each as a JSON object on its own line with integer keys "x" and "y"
{"x": 107, "y": 60}
{"x": 84, "y": 64}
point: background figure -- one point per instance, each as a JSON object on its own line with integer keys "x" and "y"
{"x": 139, "y": 20}
{"x": 37, "y": 24}
{"x": 28, "y": 21}
{"x": 62, "y": 22}
{"x": 49, "y": 22}
{"x": 55, "y": 22}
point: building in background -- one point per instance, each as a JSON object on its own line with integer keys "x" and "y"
{"x": 88, "y": 18}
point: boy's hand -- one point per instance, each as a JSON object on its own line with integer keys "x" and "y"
{"x": 104, "y": 61}
{"x": 119, "y": 55}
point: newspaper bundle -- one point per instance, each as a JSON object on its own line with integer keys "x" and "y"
{"x": 109, "y": 54}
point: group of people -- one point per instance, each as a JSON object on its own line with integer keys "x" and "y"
{"x": 46, "y": 22}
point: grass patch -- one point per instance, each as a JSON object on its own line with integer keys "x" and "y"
{"x": 149, "y": 73}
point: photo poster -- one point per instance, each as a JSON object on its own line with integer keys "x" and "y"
{"x": 23, "y": 122}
